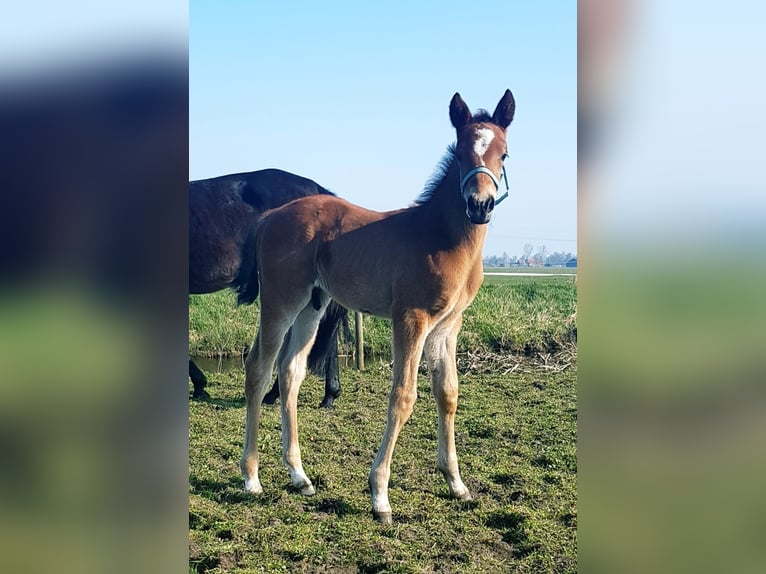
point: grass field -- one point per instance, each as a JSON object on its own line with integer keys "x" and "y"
{"x": 509, "y": 315}
{"x": 516, "y": 441}
{"x": 515, "y": 434}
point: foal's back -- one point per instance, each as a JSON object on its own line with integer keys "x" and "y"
{"x": 366, "y": 260}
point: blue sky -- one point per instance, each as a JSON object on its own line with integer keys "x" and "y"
{"x": 356, "y": 97}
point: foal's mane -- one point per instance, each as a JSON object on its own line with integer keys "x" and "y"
{"x": 444, "y": 165}
{"x": 439, "y": 175}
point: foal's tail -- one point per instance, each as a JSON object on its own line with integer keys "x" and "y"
{"x": 245, "y": 284}
{"x": 335, "y": 316}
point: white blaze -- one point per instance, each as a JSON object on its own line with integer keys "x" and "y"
{"x": 484, "y": 137}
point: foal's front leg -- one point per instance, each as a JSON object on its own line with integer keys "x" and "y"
{"x": 409, "y": 336}
{"x": 440, "y": 350}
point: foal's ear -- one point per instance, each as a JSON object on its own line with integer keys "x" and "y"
{"x": 459, "y": 113}
{"x": 503, "y": 115}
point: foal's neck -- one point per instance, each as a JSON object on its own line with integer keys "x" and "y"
{"x": 448, "y": 207}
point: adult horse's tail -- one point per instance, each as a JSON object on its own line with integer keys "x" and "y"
{"x": 245, "y": 284}
{"x": 326, "y": 341}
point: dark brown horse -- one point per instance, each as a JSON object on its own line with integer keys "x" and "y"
{"x": 221, "y": 211}
{"x": 420, "y": 267}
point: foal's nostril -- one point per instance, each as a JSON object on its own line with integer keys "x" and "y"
{"x": 479, "y": 211}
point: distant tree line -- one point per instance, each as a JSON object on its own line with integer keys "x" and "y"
{"x": 530, "y": 258}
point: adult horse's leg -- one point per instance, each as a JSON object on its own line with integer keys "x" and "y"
{"x": 259, "y": 367}
{"x": 331, "y": 377}
{"x": 271, "y": 397}
{"x": 410, "y": 329}
{"x": 199, "y": 381}
{"x": 332, "y": 388}
{"x": 323, "y": 358}
{"x": 292, "y": 371}
{"x": 440, "y": 350}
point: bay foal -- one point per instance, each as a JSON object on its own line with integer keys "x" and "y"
{"x": 420, "y": 267}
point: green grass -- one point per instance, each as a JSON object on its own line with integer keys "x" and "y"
{"x": 516, "y": 442}
{"x": 509, "y": 315}
{"x": 217, "y": 327}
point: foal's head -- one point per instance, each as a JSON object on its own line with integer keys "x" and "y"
{"x": 480, "y": 151}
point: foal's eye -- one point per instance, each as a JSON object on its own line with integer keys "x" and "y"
{"x": 504, "y": 157}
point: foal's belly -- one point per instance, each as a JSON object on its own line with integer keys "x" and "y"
{"x": 370, "y": 297}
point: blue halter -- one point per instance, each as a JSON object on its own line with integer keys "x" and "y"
{"x": 482, "y": 169}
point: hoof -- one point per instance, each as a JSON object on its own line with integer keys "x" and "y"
{"x": 329, "y": 399}
{"x": 200, "y": 395}
{"x": 253, "y": 487}
{"x": 465, "y": 497}
{"x": 308, "y": 490}
{"x": 383, "y": 517}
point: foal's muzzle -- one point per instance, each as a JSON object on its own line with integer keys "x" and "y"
{"x": 478, "y": 212}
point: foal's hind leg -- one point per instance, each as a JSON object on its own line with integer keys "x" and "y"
{"x": 440, "y": 351}
{"x": 292, "y": 370}
{"x": 259, "y": 366}
{"x": 271, "y": 397}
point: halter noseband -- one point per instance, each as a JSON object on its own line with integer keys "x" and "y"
{"x": 474, "y": 171}
{"x": 482, "y": 169}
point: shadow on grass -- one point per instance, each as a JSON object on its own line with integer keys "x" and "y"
{"x": 201, "y": 485}
{"x": 230, "y": 491}
{"x": 336, "y": 506}
{"x": 511, "y": 526}
{"x": 223, "y": 404}
{"x": 458, "y": 504}
{"x": 204, "y": 563}
{"x": 506, "y": 479}
{"x": 373, "y": 567}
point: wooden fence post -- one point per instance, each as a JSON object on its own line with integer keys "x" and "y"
{"x": 359, "y": 329}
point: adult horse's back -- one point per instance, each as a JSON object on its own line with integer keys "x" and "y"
{"x": 420, "y": 267}
{"x": 222, "y": 210}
